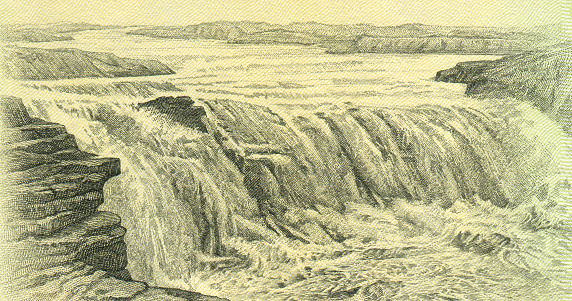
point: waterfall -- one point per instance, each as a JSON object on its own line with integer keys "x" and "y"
{"x": 268, "y": 185}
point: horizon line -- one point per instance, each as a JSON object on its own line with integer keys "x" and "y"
{"x": 277, "y": 23}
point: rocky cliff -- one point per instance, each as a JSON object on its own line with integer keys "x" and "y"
{"x": 533, "y": 76}
{"x": 47, "y": 64}
{"x": 56, "y": 244}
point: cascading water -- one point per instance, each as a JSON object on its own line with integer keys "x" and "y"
{"x": 331, "y": 201}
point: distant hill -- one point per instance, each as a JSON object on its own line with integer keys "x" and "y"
{"x": 44, "y": 32}
{"x": 46, "y": 64}
{"x": 362, "y": 38}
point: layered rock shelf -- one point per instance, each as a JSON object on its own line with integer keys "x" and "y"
{"x": 56, "y": 244}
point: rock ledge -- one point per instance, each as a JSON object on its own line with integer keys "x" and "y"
{"x": 56, "y": 245}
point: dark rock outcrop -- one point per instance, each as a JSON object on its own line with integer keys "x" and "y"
{"x": 533, "y": 76}
{"x": 181, "y": 109}
{"x": 55, "y": 244}
{"x": 48, "y": 64}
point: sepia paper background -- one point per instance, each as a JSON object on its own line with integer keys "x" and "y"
{"x": 285, "y": 150}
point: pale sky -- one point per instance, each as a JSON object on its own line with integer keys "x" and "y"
{"x": 377, "y": 12}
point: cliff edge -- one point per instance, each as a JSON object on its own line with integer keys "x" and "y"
{"x": 55, "y": 243}
{"x": 532, "y": 76}
{"x": 27, "y": 63}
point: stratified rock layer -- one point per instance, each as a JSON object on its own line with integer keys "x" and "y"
{"x": 56, "y": 245}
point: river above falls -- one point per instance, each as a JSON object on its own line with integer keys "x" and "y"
{"x": 272, "y": 74}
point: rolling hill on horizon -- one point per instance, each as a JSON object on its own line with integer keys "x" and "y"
{"x": 367, "y": 38}
{"x": 338, "y": 39}
{"x": 59, "y": 31}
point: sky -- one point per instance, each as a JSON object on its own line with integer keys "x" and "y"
{"x": 377, "y": 12}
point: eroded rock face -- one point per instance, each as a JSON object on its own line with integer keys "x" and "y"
{"x": 55, "y": 244}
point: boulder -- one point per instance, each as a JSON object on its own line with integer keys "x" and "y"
{"x": 181, "y": 109}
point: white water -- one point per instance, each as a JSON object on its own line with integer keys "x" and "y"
{"x": 176, "y": 183}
